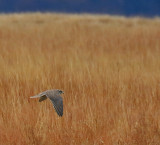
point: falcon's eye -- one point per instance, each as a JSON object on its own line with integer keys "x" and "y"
{"x": 60, "y": 91}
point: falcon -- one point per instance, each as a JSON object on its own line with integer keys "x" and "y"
{"x": 55, "y": 98}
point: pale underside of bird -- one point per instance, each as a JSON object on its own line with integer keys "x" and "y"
{"x": 55, "y": 97}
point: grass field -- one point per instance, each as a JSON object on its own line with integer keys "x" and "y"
{"x": 108, "y": 67}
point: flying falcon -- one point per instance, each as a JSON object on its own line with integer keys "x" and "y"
{"x": 55, "y": 97}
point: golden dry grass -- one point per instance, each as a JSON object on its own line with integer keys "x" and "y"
{"x": 109, "y": 68}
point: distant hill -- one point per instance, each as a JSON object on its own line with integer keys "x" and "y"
{"x": 118, "y": 7}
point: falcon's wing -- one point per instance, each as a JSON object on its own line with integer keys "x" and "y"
{"x": 42, "y": 98}
{"x": 57, "y": 101}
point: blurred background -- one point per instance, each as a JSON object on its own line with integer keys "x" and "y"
{"x": 147, "y": 8}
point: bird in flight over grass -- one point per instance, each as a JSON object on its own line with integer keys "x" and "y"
{"x": 55, "y": 97}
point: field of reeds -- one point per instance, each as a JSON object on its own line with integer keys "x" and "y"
{"x": 108, "y": 67}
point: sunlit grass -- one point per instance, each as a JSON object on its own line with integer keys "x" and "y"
{"x": 108, "y": 67}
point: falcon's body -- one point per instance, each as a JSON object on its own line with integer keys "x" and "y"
{"x": 54, "y": 96}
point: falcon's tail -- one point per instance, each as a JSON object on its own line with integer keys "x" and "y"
{"x": 37, "y": 96}
{"x": 41, "y": 97}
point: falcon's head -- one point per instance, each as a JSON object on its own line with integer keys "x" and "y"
{"x": 60, "y": 92}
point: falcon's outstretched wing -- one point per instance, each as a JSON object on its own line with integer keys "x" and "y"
{"x": 57, "y": 103}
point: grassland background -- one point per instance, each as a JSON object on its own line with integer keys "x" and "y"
{"x": 109, "y": 68}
